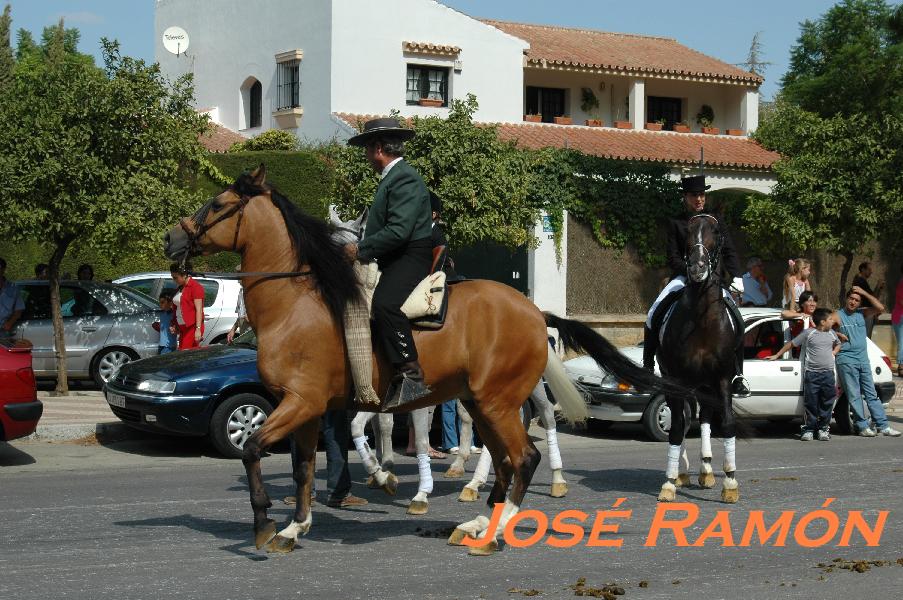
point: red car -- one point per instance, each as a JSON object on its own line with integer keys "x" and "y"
{"x": 20, "y": 408}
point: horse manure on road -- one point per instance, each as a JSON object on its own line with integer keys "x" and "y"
{"x": 644, "y": 584}
{"x": 858, "y": 566}
{"x": 608, "y": 591}
{"x": 441, "y": 532}
{"x": 785, "y": 479}
{"x": 530, "y": 592}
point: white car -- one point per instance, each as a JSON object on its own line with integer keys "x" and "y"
{"x": 776, "y": 385}
{"x": 220, "y": 300}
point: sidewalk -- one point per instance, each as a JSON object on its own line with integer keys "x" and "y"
{"x": 84, "y": 413}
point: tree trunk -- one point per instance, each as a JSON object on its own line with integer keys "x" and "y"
{"x": 844, "y": 273}
{"x": 56, "y": 312}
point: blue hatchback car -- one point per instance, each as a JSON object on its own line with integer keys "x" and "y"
{"x": 214, "y": 392}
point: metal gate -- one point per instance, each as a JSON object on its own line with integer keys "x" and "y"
{"x": 487, "y": 260}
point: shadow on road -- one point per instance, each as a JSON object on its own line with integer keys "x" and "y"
{"x": 10, "y": 456}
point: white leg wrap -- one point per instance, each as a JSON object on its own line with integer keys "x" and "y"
{"x": 426, "y": 474}
{"x": 557, "y": 477}
{"x": 730, "y": 455}
{"x": 673, "y": 461}
{"x": 508, "y": 511}
{"x": 420, "y": 497}
{"x": 481, "y": 473}
{"x": 554, "y": 452}
{"x": 366, "y": 454}
{"x": 295, "y": 528}
{"x": 476, "y": 526}
{"x": 729, "y": 483}
{"x": 705, "y": 437}
{"x": 685, "y": 460}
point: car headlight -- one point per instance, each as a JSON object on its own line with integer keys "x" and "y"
{"x": 157, "y": 387}
{"x": 610, "y": 382}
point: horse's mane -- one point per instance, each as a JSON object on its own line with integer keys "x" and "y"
{"x": 334, "y": 276}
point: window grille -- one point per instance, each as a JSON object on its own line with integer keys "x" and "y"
{"x": 288, "y": 84}
{"x": 427, "y": 82}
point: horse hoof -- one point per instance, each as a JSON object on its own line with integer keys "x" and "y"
{"x": 372, "y": 483}
{"x": 418, "y": 507}
{"x": 468, "y": 495}
{"x": 485, "y": 550}
{"x": 707, "y": 480}
{"x": 457, "y": 537}
{"x": 683, "y": 480}
{"x": 264, "y": 533}
{"x": 667, "y": 494}
{"x": 559, "y": 490}
{"x": 454, "y": 472}
{"x": 391, "y": 484}
{"x": 282, "y": 545}
{"x": 730, "y": 496}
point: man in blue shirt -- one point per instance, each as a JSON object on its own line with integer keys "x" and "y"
{"x": 756, "y": 291}
{"x": 11, "y": 304}
{"x": 853, "y": 367}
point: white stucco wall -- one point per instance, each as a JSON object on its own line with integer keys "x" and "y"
{"x": 232, "y": 40}
{"x": 729, "y": 179}
{"x": 547, "y": 279}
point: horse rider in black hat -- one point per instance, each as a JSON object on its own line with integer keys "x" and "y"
{"x": 398, "y": 237}
{"x": 694, "y": 189}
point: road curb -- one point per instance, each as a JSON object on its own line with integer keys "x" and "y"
{"x": 68, "y": 432}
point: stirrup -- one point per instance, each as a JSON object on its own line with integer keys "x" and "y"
{"x": 405, "y": 392}
{"x": 740, "y": 387}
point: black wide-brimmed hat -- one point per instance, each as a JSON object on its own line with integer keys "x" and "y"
{"x": 694, "y": 184}
{"x": 377, "y": 128}
{"x": 435, "y": 202}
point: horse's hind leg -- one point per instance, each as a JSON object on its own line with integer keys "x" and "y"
{"x": 730, "y": 487}
{"x": 676, "y": 437}
{"x": 421, "y": 421}
{"x": 706, "y": 475}
{"x": 547, "y": 419}
{"x": 306, "y": 444}
{"x": 379, "y": 478}
{"x": 465, "y": 441}
{"x": 470, "y": 492}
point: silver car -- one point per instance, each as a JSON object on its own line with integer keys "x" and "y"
{"x": 105, "y": 326}
{"x": 220, "y": 300}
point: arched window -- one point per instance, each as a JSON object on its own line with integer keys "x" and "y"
{"x": 251, "y": 97}
{"x": 256, "y": 103}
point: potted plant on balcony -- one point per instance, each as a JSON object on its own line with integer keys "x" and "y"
{"x": 590, "y": 105}
{"x": 682, "y": 127}
{"x": 431, "y": 102}
{"x": 533, "y": 118}
{"x": 562, "y": 120}
{"x": 656, "y": 125}
{"x": 705, "y": 117}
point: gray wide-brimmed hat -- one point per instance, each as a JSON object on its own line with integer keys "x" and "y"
{"x": 377, "y": 128}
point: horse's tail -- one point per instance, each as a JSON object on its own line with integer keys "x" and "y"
{"x": 573, "y": 407}
{"x": 578, "y": 337}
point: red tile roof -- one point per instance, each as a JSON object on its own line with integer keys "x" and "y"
{"x": 625, "y": 144}
{"x": 563, "y": 47}
{"x": 430, "y": 48}
{"x": 220, "y": 139}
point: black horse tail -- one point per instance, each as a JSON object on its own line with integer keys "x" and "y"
{"x": 578, "y": 337}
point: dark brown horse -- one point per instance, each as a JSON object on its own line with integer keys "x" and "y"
{"x": 490, "y": 353}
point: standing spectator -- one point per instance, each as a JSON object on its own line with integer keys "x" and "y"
{"x": 11, "y": 304}
{"x": 756, "y": 291}
{"x": 796, "y": 281}
{"x": 166, "y": 327}
{"x": 85, "y": 272}
{"x": 853, "y": 365}
{"x": 189, "y": 301}
{"x": 897, "y": 321}
{"x": 819, "y": 347}
{"x": 862, "y": 280}
{"x": 42, "y": 271}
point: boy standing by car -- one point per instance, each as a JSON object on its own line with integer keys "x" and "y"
{"x": 165, "y": 325}
{"x": 819, "y": 347}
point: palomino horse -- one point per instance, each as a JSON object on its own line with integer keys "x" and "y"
{"x": 490, "y": 353}
{"x": 698, "y": 348}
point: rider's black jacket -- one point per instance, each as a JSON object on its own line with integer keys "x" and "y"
{"x": 676, "y": 250}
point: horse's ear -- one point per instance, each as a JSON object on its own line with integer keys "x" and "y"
{"x": 259, "y": 175}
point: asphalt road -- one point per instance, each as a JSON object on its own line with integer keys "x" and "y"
{"x": 161, "y": 518}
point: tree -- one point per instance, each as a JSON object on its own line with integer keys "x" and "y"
{"x": 93, "y": 157}
{"x": 839, "y": 183}
{"x": 6, "y": 50}
{"x": 850, "y": 61}
{"x": 754, "y": 62}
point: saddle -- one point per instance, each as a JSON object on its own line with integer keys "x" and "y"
{"x": 663, "y": 314}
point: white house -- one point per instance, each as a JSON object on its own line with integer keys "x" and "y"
{"x": 312, "y": 66}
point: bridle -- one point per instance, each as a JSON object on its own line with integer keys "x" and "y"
{"x": 202, "y": 228}
{"x": 712, "y": 258}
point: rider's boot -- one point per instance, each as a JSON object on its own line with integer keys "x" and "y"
{"x": 739, "y": 386}
{"x": 407, "y": 385}
{"x": 650, "y": 347}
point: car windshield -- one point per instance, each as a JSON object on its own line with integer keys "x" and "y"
{"x": 248, "y": 338}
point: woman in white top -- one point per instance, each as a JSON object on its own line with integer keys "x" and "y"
{"x": 796, "y": 281}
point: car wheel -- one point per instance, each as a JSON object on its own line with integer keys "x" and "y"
{"x": 235, "y": 420}
{"x": 657, "y": 419}
{"x": 843, "y": 416}
{"x": 108, "y": 362}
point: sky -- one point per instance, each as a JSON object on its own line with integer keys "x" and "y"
{"x": 719, "y": 28}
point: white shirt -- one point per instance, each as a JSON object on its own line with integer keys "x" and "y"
{"x": 389, "y": 167}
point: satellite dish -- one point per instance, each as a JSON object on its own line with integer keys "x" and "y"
{"x": 175, "y": 40}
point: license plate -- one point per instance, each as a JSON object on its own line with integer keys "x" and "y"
{"x": 115, "y": 400}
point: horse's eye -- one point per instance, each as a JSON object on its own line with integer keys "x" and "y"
{"x": 216, "y": 206}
